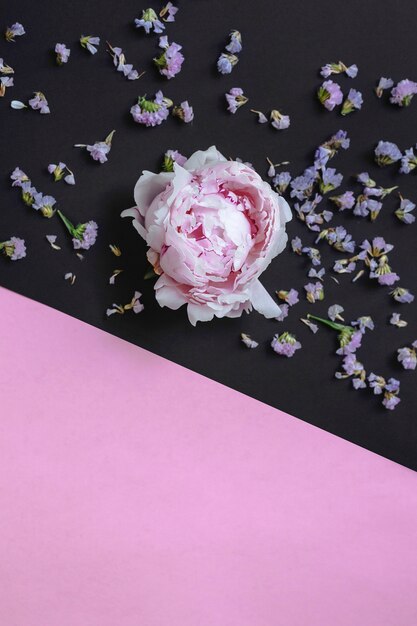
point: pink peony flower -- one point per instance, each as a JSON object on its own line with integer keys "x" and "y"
{"x": 212, "y": 227}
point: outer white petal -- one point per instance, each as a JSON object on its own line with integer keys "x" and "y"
{"x": 203, "y": 157}
{"x": 285, "y": 211}
{"x": 199, "y": 313}
{"x": 262, "y": 301}
{"x": 137, "y": 220}
{"x": 168, "y": 294}
{"x": 148, "y": 187}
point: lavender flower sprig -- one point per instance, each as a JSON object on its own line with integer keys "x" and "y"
{"x": 17, "y": 30}
{"x": 100, "y": 149}
{"x": 150, "y": 22}
{"x": 83, "y": 235}
{"x": 14, "y": 248}
{"x": 151, "y": 112}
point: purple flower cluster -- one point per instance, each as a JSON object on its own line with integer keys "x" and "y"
{"x": 61, "y": 171}
{"x": 31, "y": 196}
{"x": 408, "y": 356}
{"x": 339, "y": 68}
{"x": 62, "y": 53}
{"x": 285, "y": 344}
{"x": 330, "y": 95}
{"x": 403, "y": 92}
{"x": 150, "y": 21}
{"x": 151, "y": 112}
{"x": 353, "y": 102}
{"x": 99, "y": 150}
{"x": 14, "y": 248}
{"x": 227, "y": 60}
{"x": 119, "y": 61}
{"x": 169, "y": 63}
{"x": 235, "y": 99}
{"x": 386, "y": 153}
{"x": 184, "y": 112}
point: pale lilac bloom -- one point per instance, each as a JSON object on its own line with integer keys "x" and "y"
{"x": 235, "y": 99}
{"x": 44, "y": 204}
{"x": 384, "y": 83}
{"x": 338, "y": 68}
{"x": 391, "y": 398}
{"x": 89, "y": 43}
{"x": 86, "y": 236}
{"x": 14, "y": 248}
{"x": 403, "y": 92}
{"x": 395, "y": 320}
{"x": 285, "y": 344}
{"x": 248, "y": 341}
{"x": 408, "y": 161}
{"x": 149, "y": 21}
{"x": 386, "y": 153}
{"x": 119, "y": 61}
{"x": 352, "y": 71}
{"x": 314, "y": 292}
{"x": 284, "y": 312}
{"x": 137, "y": 305}
{"x": 281, "y": 181}
{"x": 353, "y": 101}
{"x": 367, "y": 206}
{"x": 226, "y": 62}
{"x": 168, "y": 12}
{"x": 62, "y": 53}
{"x": 58, "y": 170}
{"x": 334, "y": 312}
{"x": 5, "y": 82}
{"x": 353, "y": 367}
{"x": 39, "y": 103}
{"x": 169, "y": 63}
{"x": 290, "y": 297}
{"x": 18, "y": 177}
{"x": 364, "y": 323}
{"x": 408, "y": 356}
{"x": 330, "y": 95}
{"x": 184, "y": 112}
{"x": 151, "y": 112}
{"x": 313, "y": 273}
{"x": 402, "y": 295}
{"x": 344, "y": 201}
{"x": 279, "y": 121}
{"x": 330, "y": 148}
{"x": 404, "y": 212}
{"x": 376, "y": 383}
{"x": 17, "y": 30}
{"x": 352, "y": 344}
{"x": 329, "y": 179}
{"x": 171, "y": 157}
{"x": 262, "y": 119}
{"x": 302, "y": 186}
{"x": 99, "y": 151}
{"x": 235, "y": 45}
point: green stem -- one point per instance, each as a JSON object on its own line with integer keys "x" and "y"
{"x": 329, "y": 323}
{"x": 68, "y": 224}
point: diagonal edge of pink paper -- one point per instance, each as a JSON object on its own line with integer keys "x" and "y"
{"x": 135, "y": 492}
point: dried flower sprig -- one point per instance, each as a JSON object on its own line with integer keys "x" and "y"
{"x": 83, "y": 235}
{"x": 119, "y": 62}
{"x": 17, "y": 30}
{"x": 285, "y": 344}
{"x": 62, "y": 53}
{"x": 403, "y": 92}
{"x": 14, "y": 248}
{"x": 248, "y": 341}
{"x": 151, "y": 112}
{"x": 61, "y": 171}
{"x": 169, "y": 63}
{"x": 134, "y": 305}
{"x": 330, "y": 95}
{"x": 383, "y": 84}
{"x": 184, "y": 112}
{"x": 235, "y": 99}
{"x": 402, "y": 295}
{"x": 150, "y": 22}
{"x": 99, "y": 150}
{"x": 339, "y": 68}
{"x": 90, "y": 43}
{"x": 408, "y": 356}
{"x": 37, "y": 103}
{"x": 31, "y": 196}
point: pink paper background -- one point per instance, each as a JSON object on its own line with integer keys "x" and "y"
{"x": 136, "y": 493}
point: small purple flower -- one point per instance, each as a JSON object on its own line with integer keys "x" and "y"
{"x": 83, "y": 235}
{"x": 290, "y": 297}
{"x": 226, "y": 62}
{"x": 248, "y": 341}
{"x": 391, "y": 392}
{"x": 149, "y": 21}
{"x": 352, "y": 367}
{"x": 284, "y": 312}
{"x": 14, "y": 248}
{"x": 262, "y": 119}
{"x": 5, "y": 82}
{"x": 279, "y": 121}
{"x": 404, "y": 212}
{"x": 168, "y": 12}
{"x": 17, "y": 30}
{"x": 62, "y": 53}
{"x": 395, "y": 320}
{"x": 171, "y": 157}
{"x": 119, "y": 61}
{"x": 338, "y": 238}
{"x": 338, "y": 68}
{"x": 58, "y": 170}
{"x": 387, "y": 153}
{"x": 235, "y": 99}
{"x": 329, "y": 179}
{"x": 334, "y": 312}
{"x": 384, "y": 83}
{"x": 235, "y": 44}
{"x": 169, "y": 63}
{"x": 403, "y": 92}
{"x": 367, "y": 206}
{"x": 89, "y": 43}
{"x": 314, "y": 292}
{"x": 184, "y": 112}
{"x": 402, "y": 295}
{"x": 349, "y": 341}
{"x": 44, "y": 204}
{"x": 408, "y": 161}
{"x": 364, "y": 323}
{"x": 344, "y": 201}
{"x": 376, "y": 383}
{"x": 39, "y": 103}
{"x": 18, "y": 177}
{"x": 313, "y": 273}
{"x": 285, "y": 344}
{"x": 353, "y": 101}
{"x": 151, "y": 112}
{"x": 330, "y": 95}
{"x": 302, "y": 186}
{"x": 281, "y": 181}
{"x": 100, "y": 149}
{"x": 408, "y": 356}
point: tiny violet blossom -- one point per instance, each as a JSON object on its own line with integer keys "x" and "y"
{"x": 313, "y": 327}
{"x": 248, "y": 341}
{"x": 119, "y": 62}
{"x": 338, "y": 238}
{"x": 44, "y": 204}
{"x": 83, "y": 235}
{"x": 314, "y": 292}
{"x": 290, "y": 297}
{"x": 365, "y": 322}
{"x": 402, "y": 295}
{"x": 395, "y": 320}
{"x": 285, "y": 309}
{"x": 408, "y": 356}
{"x": 5, "y": 82}
{"x": 39, "y": 103}
{"x": 61, "y": 171}
{"x": 330, "y": 95}
{"x": 235, "y": 99}
{"x": 262, "y": 119}
{"x": 151, "y": 112}
{"x": 383, "y": 84}
{"x": 184, "y": 112}
{"x": 51, "y": 239}
{"x": 313, "y": 273}
{"x": 403, "y": 92}
{"x": 169, "y": 63}
{"x": 329, "y": 179}
{"x": 226, "y": 62}
{"x": 330, "y": 148}
{"x": 150, "y": 22}
{"x": 285, "y": 344}
{"x": 5, "y": 69}
{"x": 168, "y": 12}
{"x": 339, "y": 68}
{"x": 353, "y": 368}
{"x": 408, "y": 161}
{"x": 17, "y": 30}
{"x": 349, "y": 338}
{"x": 281, "y": 181}
{"x": 99, "y": 150}
{"x": 171, "y": 157}
{"x": 62, "y": 53}
{"x": 334, "y": 312}
{"x": 278, "y": 120}
{"x": 14, "y": 248}
{"x": 235, "y": 44}
{"x": 90, "y": 43}
{"x": 353, "y": 101}
{"x": 344, "y": 201}
{"x": 387, "y": 153}
{"x": 391, "y": 392}
{"x": 404, "y": 211}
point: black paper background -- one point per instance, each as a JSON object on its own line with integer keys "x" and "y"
{"x": 285, "y": 43}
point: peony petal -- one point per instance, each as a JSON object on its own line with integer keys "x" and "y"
{"x": 285, "y": 211}
{"x": 262, "y": 301}
{"x": 137, "y": 220}
{"x": 168, "y": 294}
{"x": 203, "y": 157}
{"x": 148, "y": 187}
{"x": 199, "y": 313}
